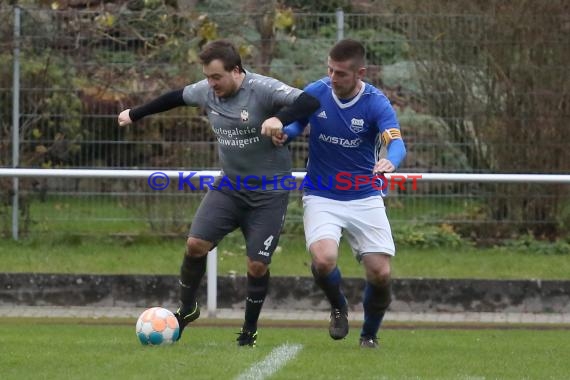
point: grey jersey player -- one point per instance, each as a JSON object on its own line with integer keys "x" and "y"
{"x": 242, "y": 107}
{"x": 237, "y": 121}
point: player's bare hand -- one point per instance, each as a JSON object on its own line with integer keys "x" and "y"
{"x": 271, "y": 127}
{"x": 124, "y": 118}
{"x": 279, "y": 139}
{"x": 384, "y": 166}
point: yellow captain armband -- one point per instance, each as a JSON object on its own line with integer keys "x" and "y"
{"x": 390, "y": 134}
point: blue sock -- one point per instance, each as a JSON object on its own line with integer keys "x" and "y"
{"x": 330, "y": 284}
{"x": 372, "y": 319}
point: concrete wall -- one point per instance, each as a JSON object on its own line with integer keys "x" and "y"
{"x": 415, "y": 295}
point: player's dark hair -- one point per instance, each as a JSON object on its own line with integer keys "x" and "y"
{"x": 223, "y": 50}
{"x": 348, "y": 49}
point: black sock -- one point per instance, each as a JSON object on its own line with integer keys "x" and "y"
{"x": 256, "y": 292}
{"x": 191, "y": 273}
{"x": 330, "y": 284}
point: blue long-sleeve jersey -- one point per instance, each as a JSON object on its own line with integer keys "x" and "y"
{"x": 344, "y": 142}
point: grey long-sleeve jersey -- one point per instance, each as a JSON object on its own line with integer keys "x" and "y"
{"x": 237, "y": 120}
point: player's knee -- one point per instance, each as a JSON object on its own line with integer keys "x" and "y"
{"x": 322, "y": 266}
{"x": 323, "y": 262}
{"x": 378, "y": 270}
{"x": 256, "y": 268}
{"x": 380, "y": 276}
{"x": 197, "y": 247}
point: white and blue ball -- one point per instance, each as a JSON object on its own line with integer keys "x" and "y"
{"x": 157, "y": 326}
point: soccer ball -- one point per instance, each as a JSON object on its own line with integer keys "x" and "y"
{"x": 157, "y": 326}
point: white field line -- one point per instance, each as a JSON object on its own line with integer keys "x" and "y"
{"x": 272, "y": 362}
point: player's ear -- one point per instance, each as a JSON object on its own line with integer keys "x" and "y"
{"x": 361, "y": 72}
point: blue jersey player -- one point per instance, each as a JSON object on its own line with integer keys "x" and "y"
{"x": 342, "y": 189}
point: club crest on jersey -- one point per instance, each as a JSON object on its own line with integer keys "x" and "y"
{"x": 356, "y": 125}
{"x": 244, "y": 115}
{"x": 286, "y": 89}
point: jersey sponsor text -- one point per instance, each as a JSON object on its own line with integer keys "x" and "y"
{"x": 345, "y": 143}
{"x": 240, "y": 143}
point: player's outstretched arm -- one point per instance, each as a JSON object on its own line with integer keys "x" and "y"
{"x": 384, "y": 166}
{"x": 301, "y": 108}
{"x": 272, "y": 127}
{"x": 124, "y": 118}
{"x": 396, "y": 154}
{"x": 290, "y": 132}
{"x": 294, "y": 129}
{"x": 163, "y": 103}
{"x": 279, "y": 139}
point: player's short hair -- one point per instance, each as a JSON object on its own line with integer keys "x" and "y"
{"x": 223, "y": 50}
{"x": 348, "y": 49}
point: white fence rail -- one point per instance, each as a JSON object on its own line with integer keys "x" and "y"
{"x": 428, "y": 177}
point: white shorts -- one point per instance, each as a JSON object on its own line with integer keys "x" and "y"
{"x": 363, "y": 221}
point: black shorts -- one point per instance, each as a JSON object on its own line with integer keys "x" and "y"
{"x": 260, "y": 216}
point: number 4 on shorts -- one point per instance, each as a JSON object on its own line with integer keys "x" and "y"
{"x": 268, "y": 242}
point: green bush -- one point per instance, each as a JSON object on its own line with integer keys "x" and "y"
{"x": 426, "y": 236}
{"x": 528, "y": 244}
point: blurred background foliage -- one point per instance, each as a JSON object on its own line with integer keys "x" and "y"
{"x": 480, "y": 86}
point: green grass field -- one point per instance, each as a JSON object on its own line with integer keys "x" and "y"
{"x": 80, "y": 349}
{"x": 99, "y": 349}
{"x": 72, "y": 254}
